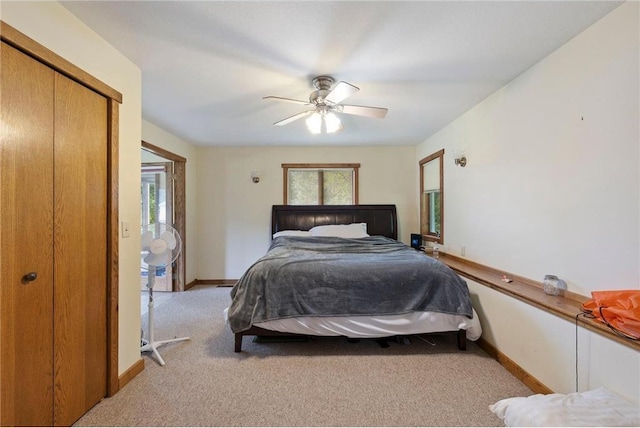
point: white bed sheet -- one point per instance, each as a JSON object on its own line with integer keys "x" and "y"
{"x": 376, "y": 326}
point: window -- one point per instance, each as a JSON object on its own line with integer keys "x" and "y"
{"x": 320, "y": 184}
{"x": 431, "y": 189}
{"x": 154, "y": 192}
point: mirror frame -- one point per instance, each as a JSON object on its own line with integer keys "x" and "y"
{"x": 430, "y": 236}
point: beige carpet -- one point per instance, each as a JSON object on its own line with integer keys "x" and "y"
{"x": 321, "y": 382}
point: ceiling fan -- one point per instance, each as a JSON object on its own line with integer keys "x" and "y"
{"x": 324, "y": 102}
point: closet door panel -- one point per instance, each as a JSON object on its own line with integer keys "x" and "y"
{"x": 26, "y": 237}
{"x": 80, "y": 224}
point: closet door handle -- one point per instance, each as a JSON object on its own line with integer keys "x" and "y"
{"x": 31, "y": 276}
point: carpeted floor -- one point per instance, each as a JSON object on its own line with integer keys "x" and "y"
{"x": 321, "y": 382}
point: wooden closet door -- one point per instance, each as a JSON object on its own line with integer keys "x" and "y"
{"x": 26, "y": 240}
{"x": 80, "y": 233}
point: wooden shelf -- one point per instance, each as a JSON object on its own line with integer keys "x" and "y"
{"x": 531, "y": 292}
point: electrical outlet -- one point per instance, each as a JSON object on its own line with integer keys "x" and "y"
{"x": 126, "y": 229}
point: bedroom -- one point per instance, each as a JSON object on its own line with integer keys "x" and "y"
{"x": 534, "y": 198}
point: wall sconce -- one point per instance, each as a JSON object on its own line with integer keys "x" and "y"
{"x": 461, "y": 161}
{"x": 255, "y": 176}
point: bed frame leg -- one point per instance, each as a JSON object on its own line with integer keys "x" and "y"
{"x": 462, "y": 340}
{"x": 238, "y": 344}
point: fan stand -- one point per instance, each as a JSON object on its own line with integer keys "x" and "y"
{"x": 152, "y": 344}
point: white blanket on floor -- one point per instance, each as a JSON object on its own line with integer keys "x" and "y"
{"x": 599, "y": 407}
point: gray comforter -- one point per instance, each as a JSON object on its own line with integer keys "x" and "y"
{"x": 327, "y": 276}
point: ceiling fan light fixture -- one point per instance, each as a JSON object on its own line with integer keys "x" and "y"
{"x": 324, "y": 120}
{"x": 332, "y": 123}
{"x": 314, "y": 123}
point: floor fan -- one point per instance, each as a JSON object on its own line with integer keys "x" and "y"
{"x": 161, "y": 245}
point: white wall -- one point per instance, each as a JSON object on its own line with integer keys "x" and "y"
{"x": 152, "y": 134}
{"x": 53, "y": 26}
{"x": 552, "y": 186}
{"x": 234, "y": 223}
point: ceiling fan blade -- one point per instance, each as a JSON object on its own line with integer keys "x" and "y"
{"x": 294, "y": 117}
{"x": 341, "y": 91}
{"x": 375, "y": 112}
{"x": 288, "y": 100}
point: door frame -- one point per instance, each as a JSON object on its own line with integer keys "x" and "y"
{"x": 179, "y": 206}
{"x": 166, "y": 168}
{"x": 30, "y": 47}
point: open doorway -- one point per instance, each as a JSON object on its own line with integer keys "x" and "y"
{"x": 157, "y": 207}
{"x": 163, "y": 201}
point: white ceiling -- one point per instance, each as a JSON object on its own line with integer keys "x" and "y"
{"x": 207, "y": 64}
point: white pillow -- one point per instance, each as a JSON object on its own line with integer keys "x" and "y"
{"x": 599, "y": 407}
{"x": 353, "y": 230}
{"x": 292, "y": 233}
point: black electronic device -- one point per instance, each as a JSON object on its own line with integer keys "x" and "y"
{"x": 416, "y": 241}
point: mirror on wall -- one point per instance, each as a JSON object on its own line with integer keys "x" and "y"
{"x": 431, "y": 197}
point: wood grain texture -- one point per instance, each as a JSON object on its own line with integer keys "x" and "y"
{"x": 12, "y": 328}
{"x": 162, "y": 152}
{"x": 531, "y": 292}
{"x": 80, "y": 231}
{"x": 180, "y": 220}
{"x": 113, "y": 383}
{"x": 217, "y": 282}
{"x": 26, "y": 200}
{"x": 131, "y": 373}
{"x": 26, "y": 44}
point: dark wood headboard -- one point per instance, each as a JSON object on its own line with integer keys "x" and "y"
{"x": 380, "y": 219}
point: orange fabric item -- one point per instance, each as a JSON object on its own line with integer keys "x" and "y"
{"x": 619, "y": 309}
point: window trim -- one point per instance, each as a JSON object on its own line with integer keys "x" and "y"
{"x": 354, "y": 166}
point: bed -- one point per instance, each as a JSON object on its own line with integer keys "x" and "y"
{"x": 340, "y": 271}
